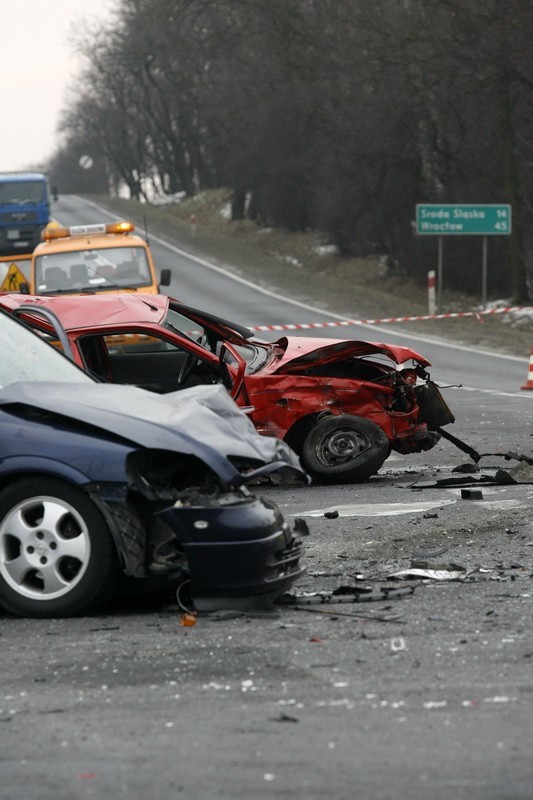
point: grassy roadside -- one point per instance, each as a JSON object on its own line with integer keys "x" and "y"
{"x": 301, "y": 266}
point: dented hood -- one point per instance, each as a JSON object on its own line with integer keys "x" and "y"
{"x": 301, "y": 352}
{"x": 203, "y": 421}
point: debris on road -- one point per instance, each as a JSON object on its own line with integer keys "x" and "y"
{"x": 520, "y": 474}
{"x": 371, "y": 616}
{"x": 398, "y": 644}
{"x": 439, "y": 551}
{"x": 345, "y": 594}
{"x": 432, "y": 570}
{"x": 285, "y": 718}
{"x": 502, "y": 475}
{"x": 466, "y": 468}
{"x": 301, "y": 527}
{"x": 471, "y": 494}
{"x": 188, "y": 620}
{"x": 430, "y": 574}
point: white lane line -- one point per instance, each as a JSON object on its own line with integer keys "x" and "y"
{"x": 494, "y": 392}
{"x": 307, "y": 306}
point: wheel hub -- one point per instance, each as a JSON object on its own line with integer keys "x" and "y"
{"x": 341, "y": 446}
{"x": 44, "y": 548}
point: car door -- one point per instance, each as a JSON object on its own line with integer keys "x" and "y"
{"x": 148, "y": 361}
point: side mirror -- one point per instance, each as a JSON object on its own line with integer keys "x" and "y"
{"x": 165, "y": 277}
{"x": 24, "y": 288}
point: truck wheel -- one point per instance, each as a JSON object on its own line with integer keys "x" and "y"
{"x": 57, "y": 558}
{"x": 344, "y": 449}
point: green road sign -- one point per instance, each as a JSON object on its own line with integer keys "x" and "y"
{"x": 469, "y": 219}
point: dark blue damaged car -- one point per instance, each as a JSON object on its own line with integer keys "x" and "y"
{"x": 99, "y": 480}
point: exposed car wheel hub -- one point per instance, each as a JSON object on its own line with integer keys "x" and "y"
{"x": 341, "y": 446}
{"x": 44, "y": 548}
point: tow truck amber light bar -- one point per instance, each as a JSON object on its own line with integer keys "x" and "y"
{"x": 84, "y": 230}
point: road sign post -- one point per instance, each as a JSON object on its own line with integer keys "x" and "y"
{"x": 468, "y": 219}
{"x": 432, "y": 307}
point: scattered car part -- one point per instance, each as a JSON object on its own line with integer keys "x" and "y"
{"x": 438, "y": 551}
{"x": 430, "y": 574}
{"x": 471, "y": 494}
{"x": 466, "y": 469}
{"x": 474, "y": 455}
{"x": 301, "y": 527}
{"x": 346, "y": 594}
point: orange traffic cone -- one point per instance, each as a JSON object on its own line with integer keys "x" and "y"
{"x": 529, "y": 382}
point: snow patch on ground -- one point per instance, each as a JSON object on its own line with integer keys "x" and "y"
{"x": 285, "y": 257}
{"x": 326, "y": 249}
{"x": 520, "y": 318}
{"x": 168, "y": 199}
{"x": 516, "y": 317}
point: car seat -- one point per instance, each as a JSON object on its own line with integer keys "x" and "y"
{"x": 55, "y": 278}
{"x": 78, "y": 273}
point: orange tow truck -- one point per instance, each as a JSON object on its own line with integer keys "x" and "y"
{"x": 104, "y": 257}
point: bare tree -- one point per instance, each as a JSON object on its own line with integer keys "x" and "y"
{"x": 335, "y": 115}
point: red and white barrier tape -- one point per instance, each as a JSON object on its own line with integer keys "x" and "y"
{"x": 344, "y": 323}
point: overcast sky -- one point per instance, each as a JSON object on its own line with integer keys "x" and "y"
{"x": 37, "y": 61}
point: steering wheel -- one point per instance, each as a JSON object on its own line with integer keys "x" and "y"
{"x": 190, "y": 362}
{"x": 187, "y": 367}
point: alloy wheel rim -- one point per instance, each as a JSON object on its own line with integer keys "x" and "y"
{"x": 44, "y": 548}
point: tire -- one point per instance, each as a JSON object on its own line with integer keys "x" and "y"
{"x": 344, "y": 449}
{"x": 57, "y": 557}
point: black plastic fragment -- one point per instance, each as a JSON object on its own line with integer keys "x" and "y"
{"x": 301, "y": 527}
{"x": 471, "y": 494}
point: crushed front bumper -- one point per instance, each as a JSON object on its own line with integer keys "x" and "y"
{"x": 240, "y": 552}
{"x": 433, "y": 412}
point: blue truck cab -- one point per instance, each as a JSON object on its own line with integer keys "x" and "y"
{"x": 24, "y": 210}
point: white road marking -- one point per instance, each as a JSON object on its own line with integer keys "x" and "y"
{"x": 376, "y": 509}
{"x": 495, "y": 392}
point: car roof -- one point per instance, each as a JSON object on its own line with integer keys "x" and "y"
{"x": 21, "y": 177}
{"x": 96, "y": 310}
{"x": 90, "y": 241}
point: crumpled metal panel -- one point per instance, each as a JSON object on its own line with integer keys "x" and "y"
{"x": 301, "y": 354}
{"x": 280, "y": 400}
{"x": 203, "y": 421}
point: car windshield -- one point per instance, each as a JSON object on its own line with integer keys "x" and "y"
{"x": 101, "y": 269}
{"x": 254, "y": 355}
{"x": 15, "y": 192}
{"x": 29, "y": 358}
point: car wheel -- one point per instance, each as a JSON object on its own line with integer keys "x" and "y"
{"x": 344, "y": 448}
{"x": 57, "y": 558}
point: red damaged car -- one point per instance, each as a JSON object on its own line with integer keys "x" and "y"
{"x": 342, "y": 405}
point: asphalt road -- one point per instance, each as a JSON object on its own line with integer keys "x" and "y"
{"x": 425, "y": 695}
